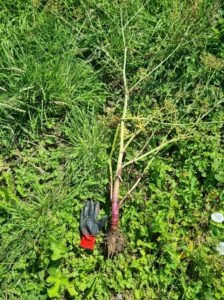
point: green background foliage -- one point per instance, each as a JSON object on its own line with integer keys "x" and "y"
{"x": 60, "y": 102}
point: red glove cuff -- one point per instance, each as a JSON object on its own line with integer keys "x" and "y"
{"x": 88, "y": 242}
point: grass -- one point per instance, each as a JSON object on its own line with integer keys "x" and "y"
{"x": 61, "y": 102}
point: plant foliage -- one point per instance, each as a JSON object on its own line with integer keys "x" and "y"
{"x": 61, "y": 100}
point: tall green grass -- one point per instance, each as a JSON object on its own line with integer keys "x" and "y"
{"x": 42, "y": 73}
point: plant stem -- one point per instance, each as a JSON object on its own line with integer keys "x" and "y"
{"x": 137, "y": 181}
{"x": 161, "y": 63}
{"x": 160, "y": 147}
{"x": 116, "y": 187}
{"x": 110, "y": 161}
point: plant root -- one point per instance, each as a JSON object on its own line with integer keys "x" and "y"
{"x": 115, "y": 242}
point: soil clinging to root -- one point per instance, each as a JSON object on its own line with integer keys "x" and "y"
{"x": 115, "y": 242}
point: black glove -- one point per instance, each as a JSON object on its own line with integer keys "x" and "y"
{"x": 89, "y": 224}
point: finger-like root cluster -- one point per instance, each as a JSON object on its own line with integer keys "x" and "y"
{"x": 115, "y": 242}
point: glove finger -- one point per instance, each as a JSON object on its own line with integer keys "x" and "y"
{"x": 82, "y": 223}
{"x": 96, "y": 210}
{"x": 86, "y": 209}
{"x": 102, "y": 222}
{"x": 81, "y": 217}
{"x": 82, "y": 213}
{"x": 91, "y": 208}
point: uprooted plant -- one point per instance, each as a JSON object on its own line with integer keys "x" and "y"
{"x": 165, "y": 125}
